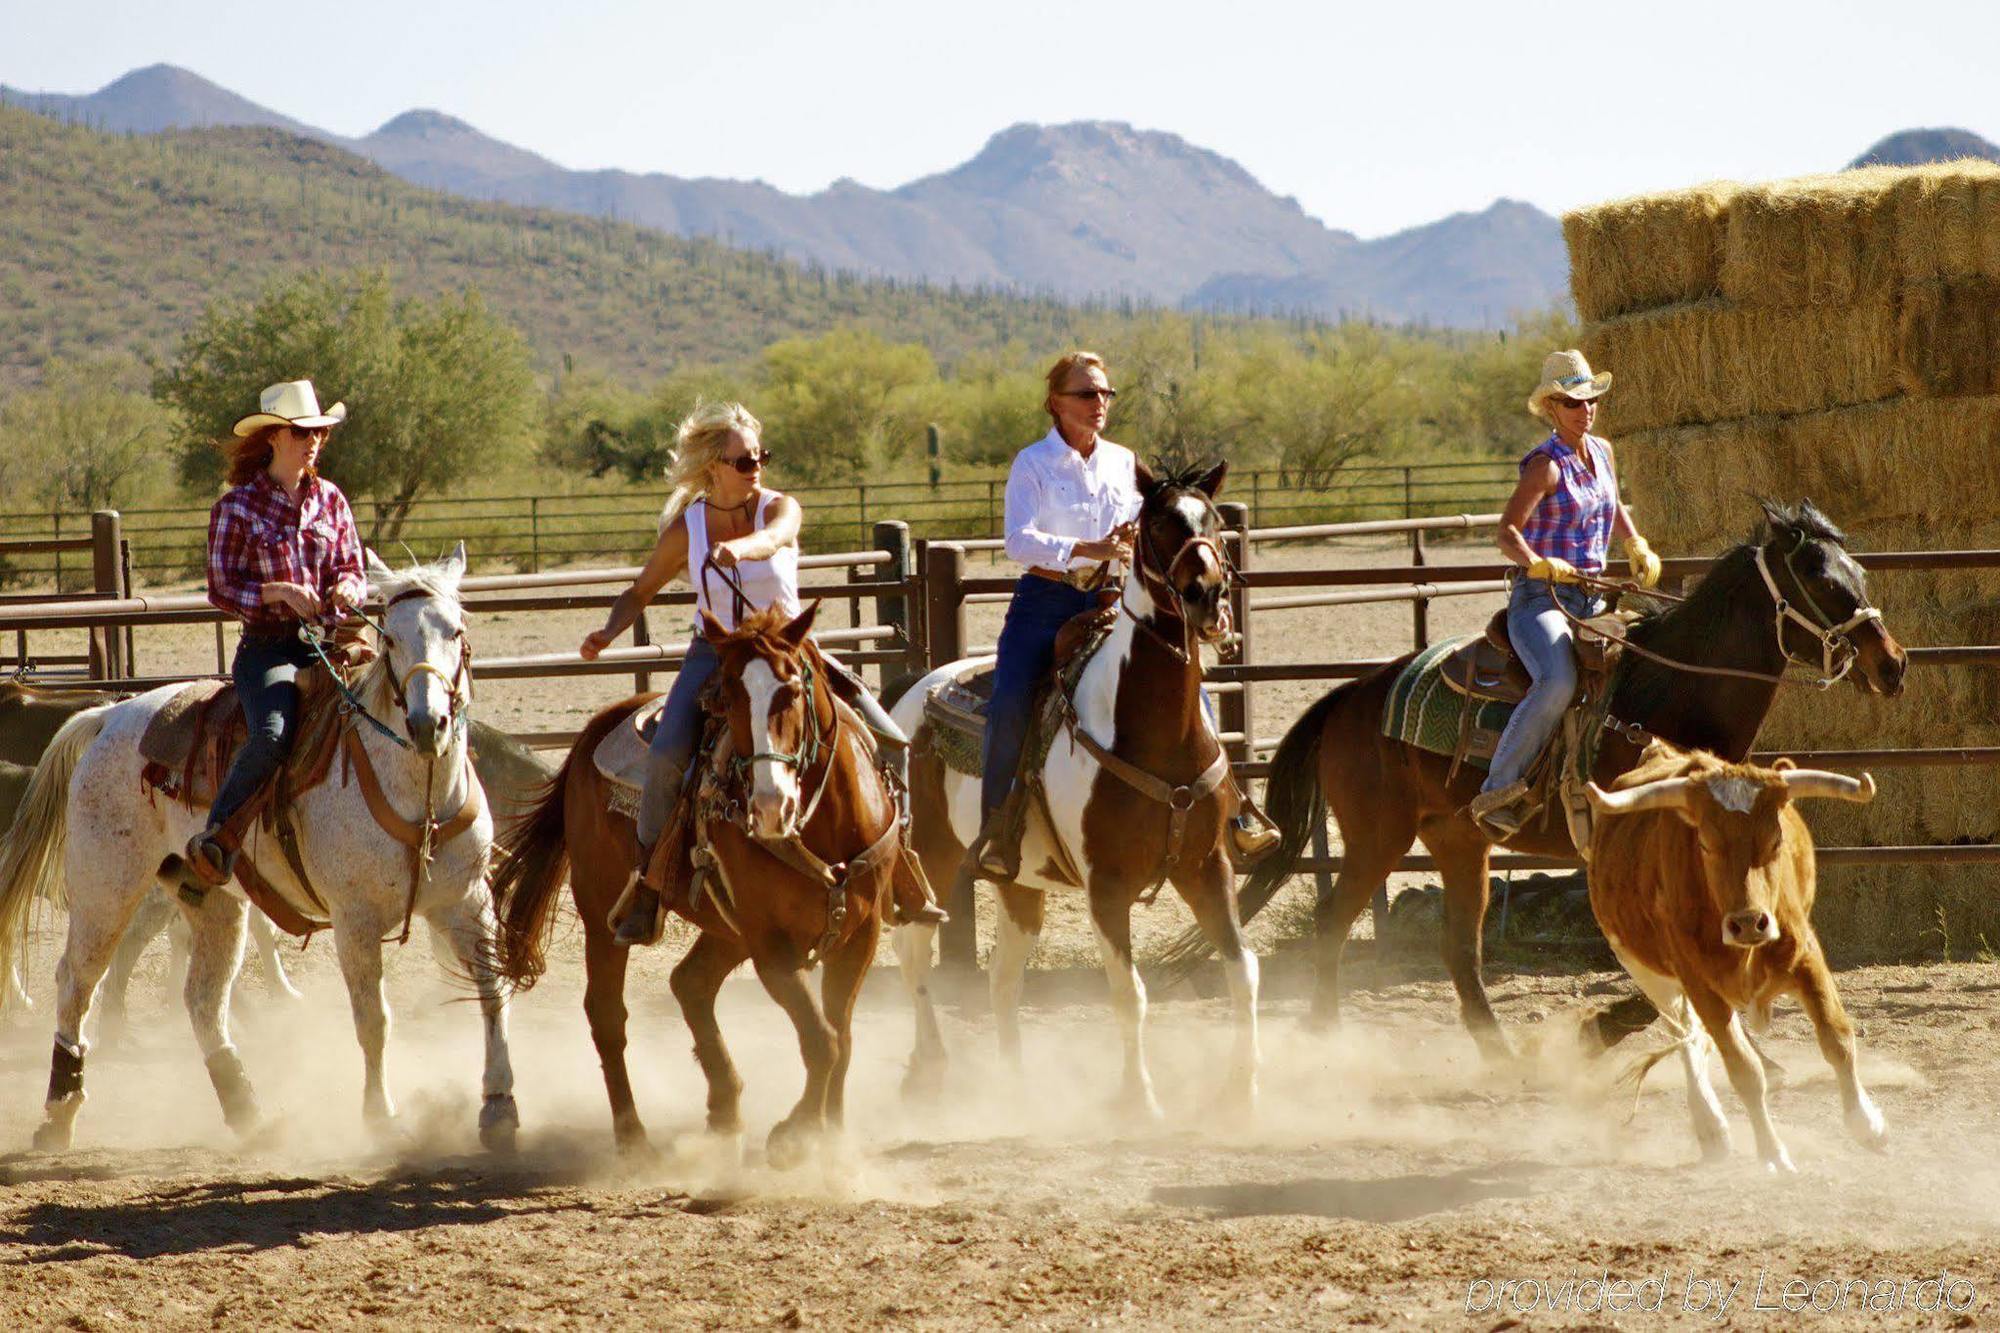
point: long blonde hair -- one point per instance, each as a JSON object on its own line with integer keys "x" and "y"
{"x": 703, "y": 435}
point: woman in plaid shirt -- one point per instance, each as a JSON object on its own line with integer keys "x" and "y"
{"x": 282, "y": 551}
{"x": 1559, "y": 524}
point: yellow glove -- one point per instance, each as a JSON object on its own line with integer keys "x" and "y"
{"x": 1552, "y": 569}
{"x": 1645, "y": 565}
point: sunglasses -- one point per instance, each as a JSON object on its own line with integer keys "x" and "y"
{"x": 321, "y": 431}
{"x": 1564, "y": 400}
{"x": 1105, "y": 394}
{"x": 748, "y": 463}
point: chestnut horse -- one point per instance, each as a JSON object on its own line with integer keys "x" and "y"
{"x": 803, "y": 832}
{"x": 1138, "y": 792}
{"x": 1791, "y": 596}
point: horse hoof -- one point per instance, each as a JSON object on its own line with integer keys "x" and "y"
{"x": 499, "y": 1122}
{"x": 52, "y": 1137}
{"x": 786, "y": 1147}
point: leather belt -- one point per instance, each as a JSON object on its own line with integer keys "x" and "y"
{"x": 1083, "y": 579}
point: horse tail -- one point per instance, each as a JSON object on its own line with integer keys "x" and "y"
{"x": 533, "y": 860}
{"x": 1294, "y": 802}
{"x": 31, "y": 852}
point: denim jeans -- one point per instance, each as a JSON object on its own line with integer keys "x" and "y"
{"x": 1541, "y": 639}
{"x": 266, "y": 672}
{"x": 1041, "y": 607}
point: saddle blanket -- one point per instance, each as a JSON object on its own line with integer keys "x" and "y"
{"x": 1425, "y": 712}
{"x": 621, "y": 756}
{"x": 956, "y": 710}
{"x": 189, "y": 743}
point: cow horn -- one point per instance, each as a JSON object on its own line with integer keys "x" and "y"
{"x": 1802, "y": 782}
{"x": 1665, "y": 794}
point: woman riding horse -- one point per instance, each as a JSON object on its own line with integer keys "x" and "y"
{"x": 1072, "y": 499}
{"x": 1557, "y": 526}
{"x": 282, "y": 552}
{"x": 718, "y": 514}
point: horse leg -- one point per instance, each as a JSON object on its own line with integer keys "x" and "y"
{"x": 1210, "y": 894}
{"x": 785, "y": 979}
{"x": 696, "y": 980}
{"x": 1371, "y": 845}
{"x": 154, "y": 914}
{"x": 266, "y": 939}
{"x": 357, "y": 940}
{"x": 840, "y": 986}
{"x": 1128, "y": 997}
{"x": 470, "y": 927}
{"x": 915, "y": 956}
{"x": 1019, "y": 927}
{"x": 1460, "y": 852}
{"x": 604, "y": 1009}
{"x": 98, "y": 913}
{"x": 215, "y": 955}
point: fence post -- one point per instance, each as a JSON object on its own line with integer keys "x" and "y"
{"x": 107, "y": 645}
{"x": 1233, "y": 710}
{"x": 917, "y": 658}
{"x": 125, "y": 590}
{"x": 534, "y": 534}
{"x": 944, "y": 617}
{"x": 1409, "y": 496}
{"x": 1256, "y": 497}
{"x": 893, "y": 535}
{"x": 642, "y": 634}
{"x": 55, "y": 518}
{"x": 1420, "y": 610}
{"x": 992, "y": 510}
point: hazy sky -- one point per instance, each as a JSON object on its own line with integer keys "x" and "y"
{"x": 1375, "y": 116}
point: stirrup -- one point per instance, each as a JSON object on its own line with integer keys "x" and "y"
{"x": 209, "y": 863}
{"x": 633, "y": 921}
{"x": 1500, "y": 813}
{"x": 1253, "y": 837}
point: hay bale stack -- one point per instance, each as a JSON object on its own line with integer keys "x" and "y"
{"x": 1833, "y": 337}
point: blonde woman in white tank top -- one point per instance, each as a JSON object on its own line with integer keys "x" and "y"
{"x": 717, "y": 509}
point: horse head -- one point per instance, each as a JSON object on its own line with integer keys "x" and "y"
{"x": 1824, "y": 617}
{"x": 1177, "y": 553}
{"x": 425, "y": 657}
{"x": 777, "y": 706}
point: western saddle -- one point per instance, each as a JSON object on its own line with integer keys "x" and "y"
{"x": 1487, "y": 668}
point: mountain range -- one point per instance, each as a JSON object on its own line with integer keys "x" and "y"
{"x": 1088, "y": 209}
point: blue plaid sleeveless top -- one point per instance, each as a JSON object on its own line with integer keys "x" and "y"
{"x": 1573, "y": 521}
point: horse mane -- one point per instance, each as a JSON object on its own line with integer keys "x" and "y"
{"x": 1690, "y": 630}
{"x": 1171, "y": 474}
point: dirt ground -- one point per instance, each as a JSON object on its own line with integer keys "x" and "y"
{"x": 1387, "y": 1176}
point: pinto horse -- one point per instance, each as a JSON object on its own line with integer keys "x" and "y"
{"x": 801, "y": 830}
{"x": 1703, "y": 675}
{"x": 1137, "y": 793}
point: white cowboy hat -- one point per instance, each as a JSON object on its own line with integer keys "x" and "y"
{"x": 292, "y": 403}
{"x": 1566, "y": 373}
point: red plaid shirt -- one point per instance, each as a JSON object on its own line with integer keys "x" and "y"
{"x": 256, "y": 535}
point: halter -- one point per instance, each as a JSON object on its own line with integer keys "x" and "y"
{"x": 1837, "y": 650}
{"x": 1161, "y": 587}
{"x": 455, "y": 684}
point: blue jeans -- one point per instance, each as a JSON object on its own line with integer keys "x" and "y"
{"x": 1041, "y": 607}
{"x": 266, "y": 672}
{"x": 1541, "y": 639}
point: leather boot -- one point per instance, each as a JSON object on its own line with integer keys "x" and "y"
{"x": 637, "y": 919}
{"x": 1500, "y": 813}
{"x": 1252, "y": 835}
{"x": 910, "y": 893}
{"x": 206, "y": 863}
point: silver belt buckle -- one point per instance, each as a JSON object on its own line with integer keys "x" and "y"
{"x": 1080, "y": 579}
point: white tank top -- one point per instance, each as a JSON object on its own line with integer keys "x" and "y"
{"x": 773, "y": 582}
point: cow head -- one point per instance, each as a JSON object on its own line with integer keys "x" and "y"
{"x": 1737, "y": 814}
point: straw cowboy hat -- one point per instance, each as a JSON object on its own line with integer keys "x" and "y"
{"x": 1566, "y": 373}
{"x": 292, "y": 403}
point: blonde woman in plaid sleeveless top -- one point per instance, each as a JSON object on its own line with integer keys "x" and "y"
{"x": 1564, "y": 512}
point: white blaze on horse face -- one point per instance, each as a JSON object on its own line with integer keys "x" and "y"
{"x": 424, "y": 635}
{"x": 774, "y": 786}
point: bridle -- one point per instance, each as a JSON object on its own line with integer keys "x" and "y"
{"x": 456, "y": 684}
{"x": 1837, "y": 651}
{"x": 1159, "y": 584}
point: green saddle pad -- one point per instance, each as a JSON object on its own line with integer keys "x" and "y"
{"x": 1425, "y": 712}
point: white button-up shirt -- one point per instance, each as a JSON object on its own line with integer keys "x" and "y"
{"x": 1056, "y": 498}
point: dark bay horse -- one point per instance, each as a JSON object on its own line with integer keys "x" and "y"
{"x": 1384, "y": 794}
{"x": 803, "y": 832}
{"x": 1137, "y": 793}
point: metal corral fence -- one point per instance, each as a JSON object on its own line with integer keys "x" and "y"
{"x": 531, "y": 533}
{"x": 919, "y": 591}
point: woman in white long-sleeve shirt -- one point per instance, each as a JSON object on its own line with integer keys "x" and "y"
{"x": 1072, "y": 500}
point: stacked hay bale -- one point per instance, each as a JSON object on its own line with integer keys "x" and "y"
{"x": 1834, "y": 337}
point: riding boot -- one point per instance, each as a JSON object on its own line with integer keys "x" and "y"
{"x": 1500, "y": 813}
{"x": 636, "y": 918}
{"x": 1252, "y": 835}
{"x": 208, "y": 862}
{"x": 909, "y": 887}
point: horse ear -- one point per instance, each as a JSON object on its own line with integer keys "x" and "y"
{"x": 1775, "y": 516}
{"x": 1211, "y": 481}
{"x": 711, "y": 628}
{"x": 377, "y": 571}
{"x": 454, "y": 566}
{"x": 1143, "y": 475}
{"x": 801, "y": 625}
